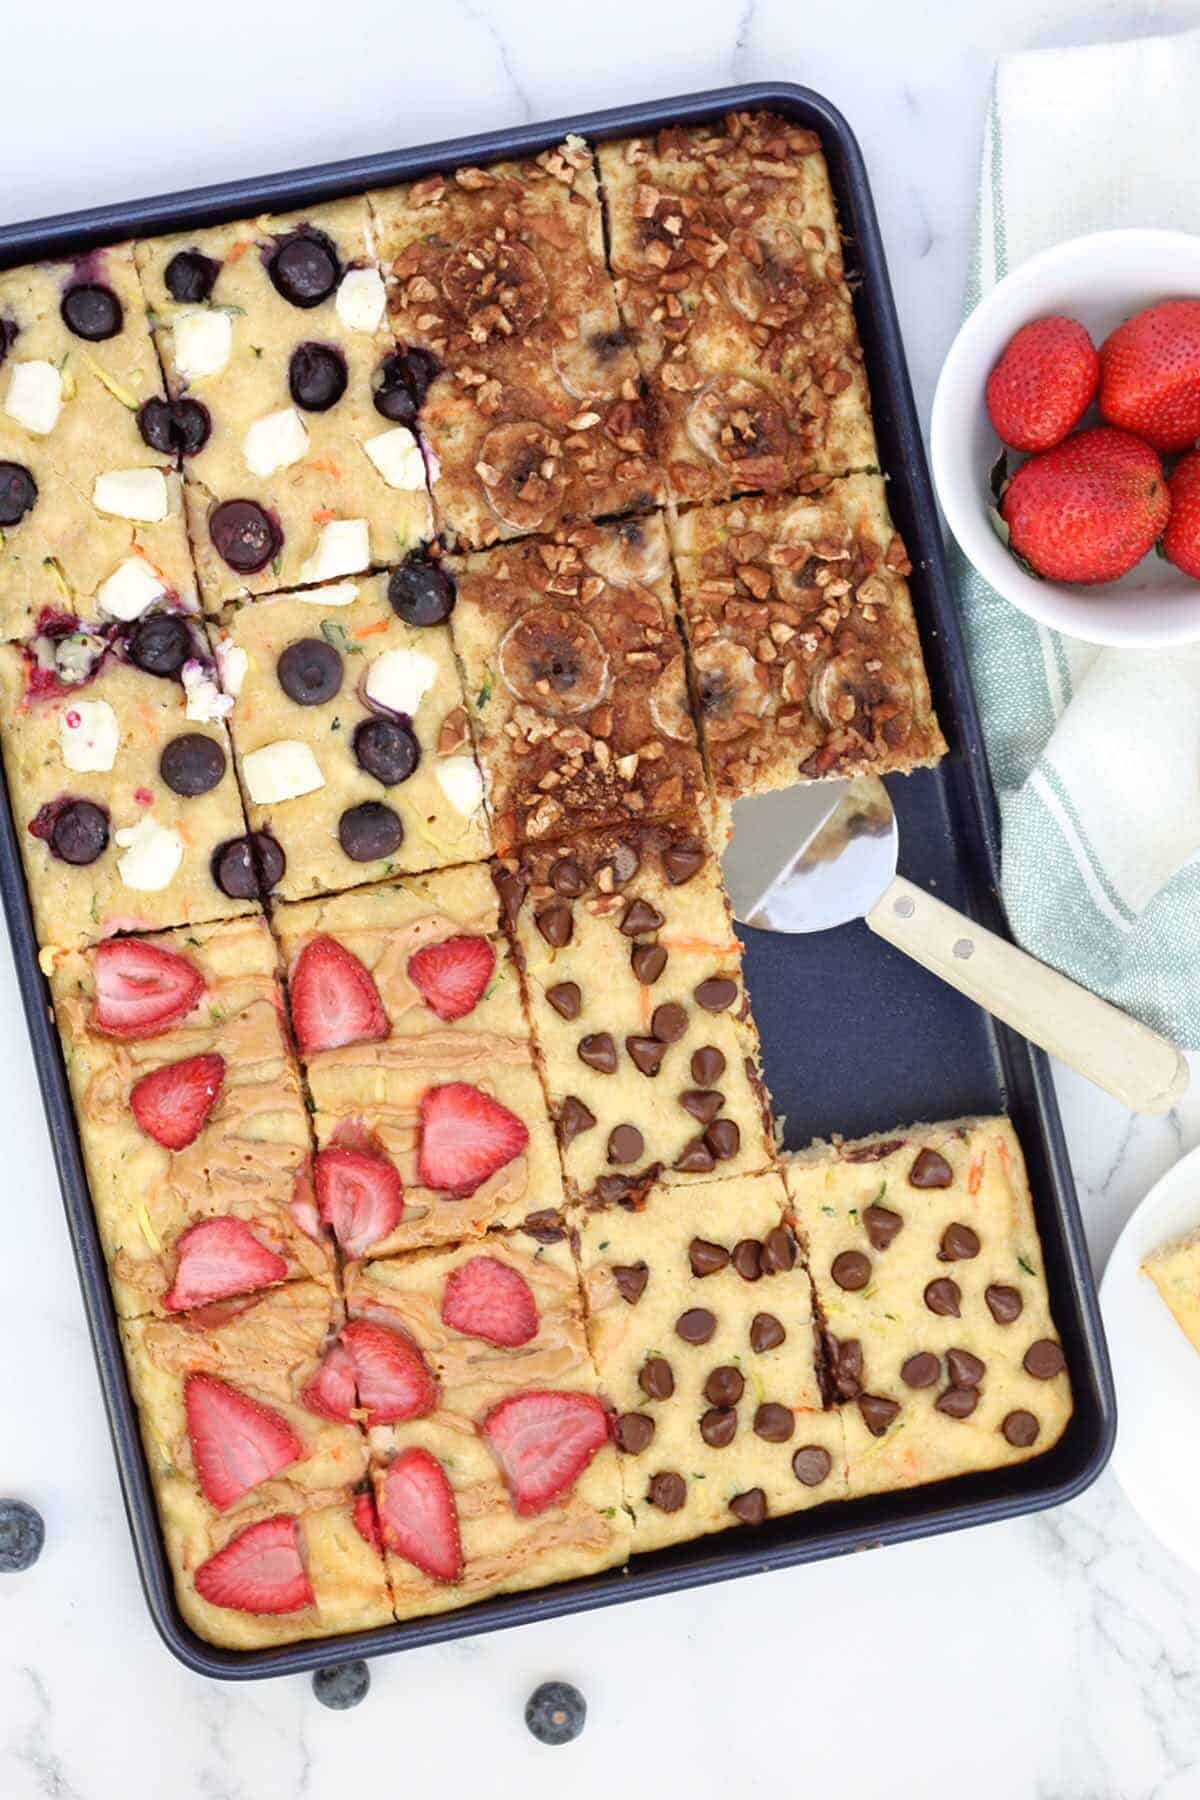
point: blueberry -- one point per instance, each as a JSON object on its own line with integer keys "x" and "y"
{"x": 92, "y": 311}
{"x": 22, "y": 1534}
{"x": 190, "y": 276}
{"x": 387, "y": 749}
{"x": 79, "y": 833}
{"x": 244, "y": 534}
{"x": 305, "y": 268}
{"x": 369, "y": 831}
{"x": 192, "y": 764}
{"x": 342, "y": 1686}
{"x": 309, "y": 671}
{"x": 404, "y": 378}
{"x": 421, "y": 592}
{"x": 174, "y": 425}
{"x": 160, "y": 643}
{"x": 248, "y": 867}
{"x": 18, "y": 491}
{"x": 555, "y": 1712}
{"x": 316, "y": 376}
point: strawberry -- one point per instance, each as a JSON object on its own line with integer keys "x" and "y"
{"x": 465, "y": 1137}
{"x": 1150, "y": 374}
{"x": 331, "y": 1393}
{"x": 366, "y": 1522}
{"x": 543, "y": 1442}
{"x": 140, "y": 989}
{"x": 360, "y": 1196}
{"x": 236, "y": 1443}
{"x": 418, "y": 1516}
{"x": 1181, "y": 539}
{"x": 217, "y": 1258}
{"x": 334, "y": 999}
{"x": 1043, "y": 383}
{"x": 259, "y": 1570}
{"x": 452, "y": 975}
{"x": 393, "y": 1379}
{"x": 487, "y": 1299}
{"x": 1088, "y": 510}
{"x": 172, "y": 1104}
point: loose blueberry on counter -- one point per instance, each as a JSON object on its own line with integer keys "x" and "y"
{"x": 75, "y": 830}
{"x": 404, "y": 379}
{"x": 192, "y": 764}
{"x": 175, "y": 427}
{"x": 18, "y": 492}
{"x": 310, "y": 671}
{"x": 92, "y": 312}
{"x": 421, "y": 592}
{"x": 555, "y": 1712}
{"x": 190, "y": 276}
{"x": 160, "y": 643}
{"x": 369, "y": 831}
{"x": 244, "y": 535}
{"x": 305, "y": 268}
{"x": 22, "y": 1534}
{"x": 387, "y": 749}
{"x": 342, "y": 1686}
{"x": 316, "y": 377}
{"x": 247, "y": 868}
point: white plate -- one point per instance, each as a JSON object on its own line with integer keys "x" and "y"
{"x": 1157, "y": 1454}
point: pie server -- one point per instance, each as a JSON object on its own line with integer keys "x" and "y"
{"x": 810, "y": 857}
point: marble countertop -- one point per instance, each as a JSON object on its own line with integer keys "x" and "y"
{"x": 1057, "y": 1656}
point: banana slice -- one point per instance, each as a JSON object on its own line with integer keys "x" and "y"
{"x": 730, "y": 695}
{"x": 521, "y": 468}
{"x": 754, "y": 283}
{"x": 631, "y": 551}
{"x": 593, "y": 365}
{"x": 846, "y": 693}
{"x": 669, "y": 703}
{"x": 733, "y": 422}
{"x": 498, "y": 287}
{"x": 554, "y": 661}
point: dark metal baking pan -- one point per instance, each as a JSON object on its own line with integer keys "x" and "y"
{"x": 855, "y": 1036}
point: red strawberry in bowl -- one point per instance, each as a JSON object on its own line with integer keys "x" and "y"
{"x": 418, "y": 1517}
{"x": 259, "y": 1571}
{"x": 1181, "y": 539}
{"x": 172, "y": 1104}
{"x": 334, "y": 998}
{"x": 452, "y": 976}
{"x": 141, "y": 989}
{"x": 466, "y": 1136}
{"x": 1088, "y": 510}
{"x": 236, "y": 1443}
{"x": 543, "y": 1441}
{"x": 359, "y": 1195}
{"x": 1150, "y": 375}
{"x": 1043, "y": 383}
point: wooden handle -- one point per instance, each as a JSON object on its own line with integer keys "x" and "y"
{"x": 1128, "y": 1060}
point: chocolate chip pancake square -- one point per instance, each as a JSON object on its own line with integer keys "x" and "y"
{"x": 91, "y": 504}
{"x": 730, "y": 278}
{"x": 273, "y": 334}
{"x": 512, "y": 349}
{"x": 504, "y": 1441}
{"x": 195, "y": 1134}
{"x": 575, "y": 682}
{"x": 121, "y": 779}
{"x": 701, "y": 1323}
{"x": 351, "y": 736}
{"x": 804, "y": 649}
{"x": 406, "y": 1007}
{"x": 928, "y": 1270}
{"x": 633, "y": 976}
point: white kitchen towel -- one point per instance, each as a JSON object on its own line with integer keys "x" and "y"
{"x": 1095, "y": 753}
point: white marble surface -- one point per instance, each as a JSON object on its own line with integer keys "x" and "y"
{"x": 1055, "y": 1657}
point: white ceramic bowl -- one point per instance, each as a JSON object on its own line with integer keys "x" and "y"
{"x": 1099, "y": 280}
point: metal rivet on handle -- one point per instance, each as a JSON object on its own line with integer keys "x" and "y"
{"x": 904, "y": 908}
{"x": 964, "y": 949}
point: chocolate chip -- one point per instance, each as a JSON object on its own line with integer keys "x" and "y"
{"x": 599, "y": 1052}
{"x": 511, "y": 885}
{"x": 555, "y": 923}
{"x": 703, "y": 1103}
{"x": 567, "y": 878}
{"x": 565, "y": 998}
{"x": 545, "y": 1225}
{"x": 633, "y": 1432}
{"x": 747, "y": 1258}
{"x": 190, "y": 276}
{"x": 92, "y": 311}
{"x": 573, "y": 1118}
{"x": 79, "y": 833}
{"x": 943, "y": 1297}
{"x": 192, "y": 764}
{"x": 959, "y": 1243}
{"x": 921, "y": 1370}
{"x": 868, "y": 1153}
{"x": 716, "y": 993}
{"x": 965, "y": 1369}
{"x": 310, "y": 671}
{"x": 648, "y": 962}
{"x": 930, "y": 1170}
{"x": 639, "y": 916}
{"x": 695, "y": 1158}
{"x": 725, "y": 1385}
{"x": 846, "y": 1358}
{"x": 646, "y": 1054}
{"x": 1004, "y": 1303}
{"x": 421, "y": 592}
{"x": 778, "y": 1251}
{"x": 877, "y": 1412}
{"x": 625, "y": 1144}
{"x": 724, "y": 1139}
{"x": 386, "y": 749}
{"x": 773, "y": 1422}
{"x": 615, "y": 1190}
{"x": 750, "y": 1507}
{"x": 706, "y": 1258}
{"x": 851, "y": 1269}
{"x": 766, "y": 1333}
{"x": 667, "y": 1491}
{"x": 1020, "y": 1428}
{"x": 1044, "y": 1360}
{"x": 631, "y": 1279}
{"x": 316, "y": 376}
{"x": 370, "y": 831}
{"x": 957, "y": 1402}
{"x": 244, "y": 535}
{"x": 655, "y": 1378}
{"x": 18, "y": 493}
{"x": 718, "y": 1426}
{"x": 882, "y": 1225}
{"x": 708, "y": 1065}
{"x": 696, "y": 1325}
{"x": 811, "y": 1465}
{"x": 668, "y": 1022}
{"x": 682, "y": 861}
{"x": 305, "y": 268}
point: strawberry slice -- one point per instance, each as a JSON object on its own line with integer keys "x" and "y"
{"x": 258, "y": 1571}
{"x": 217, "y": 1258}
{"x": 451, "y": 976}
{"x": 334, "y": 999}
{"x": 394, "y": 1382}
{"x": 331, "y": 1393}
{"x": 465, "y": 1137}
{"x": 487, "y": 1299}
{"x": 418, "y": 1516}
{"x": 172, "y": 1104}
{"x": 366, "y": 1522}
{"x": 543, "y": 1442}
{"x": 360, "y": 1196}
{"x": 140, "y": 989}
{"x": 236, "y": 1443}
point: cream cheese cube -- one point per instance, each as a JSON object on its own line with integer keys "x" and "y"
{"x": 281, "y": 771}
{"x": 361, "y": 300}
{"x": 139, "y": 494}
{"x": 275, "y": 442}
{"x": 34, "y": 397}
{"x": 153, "y": 853}
{"x": 397, "y": 456}
{"x": 203, "y": 342}
{"x": 130, "y": 589}
{"x": 343, "y": 548}
{"x": 88, "y": 735}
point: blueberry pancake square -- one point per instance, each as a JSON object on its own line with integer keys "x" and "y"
{"x": 274, "y": 331}
{"x": 91, "y": 504}
{"x": 351, "y": 732}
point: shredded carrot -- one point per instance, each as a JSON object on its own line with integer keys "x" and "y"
{"x": 239, "y": 250}
{"x": 323, "y": 514}
{"x": 698, "y": 943}
{"x": 365, "y": 631}
{"x": 975, "y": 1176}
{"x": 324, "y": 465}
{"x": 1002, "y": 1153}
